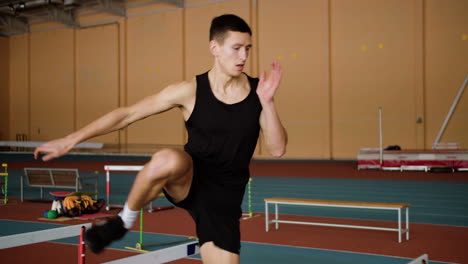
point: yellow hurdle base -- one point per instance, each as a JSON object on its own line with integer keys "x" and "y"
{"x": 249, "y": 217}
{"x": 136, "y": 249}
{"x": 139, "y": 247}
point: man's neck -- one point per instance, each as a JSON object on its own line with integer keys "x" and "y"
{"x": 222, "y": 81}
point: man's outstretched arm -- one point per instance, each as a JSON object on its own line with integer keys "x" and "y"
{"x": 117, "y": 119}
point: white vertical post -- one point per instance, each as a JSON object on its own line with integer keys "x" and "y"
{"x": 21, "y": 186}
{"x": 276, "y": 216}
{"x": 380, "y": 138}
{"x": 399, "y": 225}
{"x": 407, "y": 223}
{"x": 108, "y": 188}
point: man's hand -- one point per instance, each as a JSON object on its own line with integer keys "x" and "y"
{"x": 53, "y": 149}
{"x": 268, "y": 85}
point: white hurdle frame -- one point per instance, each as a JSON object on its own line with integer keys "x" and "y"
{"x": 108, "y": 169}
{"x": 47, "y": 235}
{"x": 420, "y": 259}
{"x": 162, "y": 255}
{"x": 34, "y": 144}
{"x": 41, "y": 236}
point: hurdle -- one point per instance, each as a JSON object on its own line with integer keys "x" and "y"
{"x": 108, "y": 169}
{"x": 48, "y": 235}
{"x": 162, "y": 255}
{"x": 249, "y": 214}
{"x": 5, "y": 186}
{"x": 139, "y": 245}
{"x": 34, "y": 144}
{"x": 423, "y": 259}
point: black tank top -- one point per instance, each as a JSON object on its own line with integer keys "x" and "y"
{"x": 222, "y": 137}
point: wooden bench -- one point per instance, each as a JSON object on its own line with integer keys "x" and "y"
{"x": 58, "y": 178}
{"x": 343, "y": 204}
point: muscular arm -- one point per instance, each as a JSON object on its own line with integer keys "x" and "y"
{"x": 274, "y": 133}
{"x": 172, "y": 96}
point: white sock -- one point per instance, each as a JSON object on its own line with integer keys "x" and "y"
{"x": 128, "y": 216}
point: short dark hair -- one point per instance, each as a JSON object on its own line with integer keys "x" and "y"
{"x": 223, "y": 24}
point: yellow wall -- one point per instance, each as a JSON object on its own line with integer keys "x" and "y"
{"x": 4, "y": 93}
{"x": 97, "y": 76}
{"x": 155, "y": 60}
{"x": 19, "y": 86}
{"x": 52, "y": 84}
{"x": 372, "y": 65}
{"x": 343, "y": 59}
{"x": 303, "y": 99}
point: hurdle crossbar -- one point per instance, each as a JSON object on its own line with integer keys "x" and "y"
{"x": 41, "y": 236}
{"x": 34, "y": 144}
{"x": 122, "y": 168}
{"x": 163, "y": 255}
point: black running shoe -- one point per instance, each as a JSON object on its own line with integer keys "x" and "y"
{"x": 103, "y": 233}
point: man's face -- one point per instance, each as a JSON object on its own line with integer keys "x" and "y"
{"x": 233, "y": 53}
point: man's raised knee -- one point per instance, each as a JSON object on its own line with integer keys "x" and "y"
{"x": 169, "y": 160}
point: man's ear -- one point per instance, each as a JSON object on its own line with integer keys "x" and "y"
{"x": 214, "y": 45}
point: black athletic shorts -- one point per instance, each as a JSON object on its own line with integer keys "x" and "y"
{"x": 215, "y": 209}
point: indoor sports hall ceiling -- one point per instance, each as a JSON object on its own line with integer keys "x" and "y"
{"x": 16, "y": 16}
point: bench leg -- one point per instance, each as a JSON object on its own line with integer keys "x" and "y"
{"x": 21, "y": 183}
{"x": 276, "y": 216}
{"x": 399, "y": 225}
{"x": 266, "y": 216}
{"x": 407, "y": 223}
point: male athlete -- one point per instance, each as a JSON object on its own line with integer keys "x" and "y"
{"x": 224, "y": 110}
